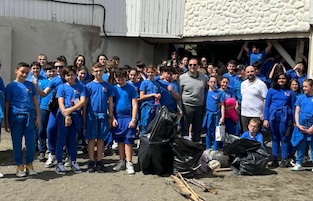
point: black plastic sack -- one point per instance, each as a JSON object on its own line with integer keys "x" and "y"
{"x": 241, "y": 147}
{"x": 186, "y": 156}
{"x": 164, "y": 125}
{"x": 155, "y": 157}
{"x": 253, "y": 164}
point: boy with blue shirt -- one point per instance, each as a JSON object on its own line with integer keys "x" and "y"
{"x": 253, "y": 131}
{"x": 71, "y": 98}
{"x": 231, "y": 74}
{"x": 22, "y": 117}
{"x": 124, "y": 121}
{"x": 169, "y": 91}
{"x": 44, "y": 111}
{"x": 99, "y": 113}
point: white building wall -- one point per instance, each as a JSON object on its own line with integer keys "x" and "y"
{"x": 244, "y": 17}
{"x": 23, "y": 40}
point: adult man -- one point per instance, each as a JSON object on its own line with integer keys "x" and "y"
{"x": 253, "y": 93}
{"x": 192, "y": 86}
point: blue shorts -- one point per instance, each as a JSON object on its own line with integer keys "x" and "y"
{"x": 122, "y": 133}
{"x": 96, "y": 127}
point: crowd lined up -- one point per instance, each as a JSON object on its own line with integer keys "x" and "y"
{"x": 55, "y": 105}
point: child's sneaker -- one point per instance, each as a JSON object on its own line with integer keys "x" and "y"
{"x": 75, "y": 167}
{"x": 91, "y": 167}
{"x": 297, "y": 167}
{"x": 119, "y": 165}
{"x": 30, "y": 169}
{"x": 41, "y": 157}
{"x": 130, "y": 168}
{"x": 1, "y": 175}
{"x": 20, "y": 171}
{"x": 100, "y": 166}
{"x": 60, "y": 169}
{"x": 115, "y": 146}
{"x": 68, "y": 161}
{"x": 50, "y": 162}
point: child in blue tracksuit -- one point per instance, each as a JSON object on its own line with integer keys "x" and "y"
{"x": 230, "y": 123}
{"x": 44, "y": 111}
{"x": 52, "y": 87}
{"x": 99, "y": 112}
{"x": 22, "y": 117}
{"x": 302, "y": 133}
{"x": 215, "y": 113}
{"x": 71, "y": 98}
{"x": 278, "y": 116}
{"x": 149, "y": 96}
{"x": 124, "y": 121}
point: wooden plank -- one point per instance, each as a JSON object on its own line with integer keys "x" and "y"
{"x": 284, "y": 53}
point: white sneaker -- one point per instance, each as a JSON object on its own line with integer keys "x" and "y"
{"x": 1, "y": 175}
{"x": 297, "y": 167}
{"x": 115, "y": 146}
{"x": 60, "y": 169}
{"x": 50, "y": 162}
{"x": 20, "y": 172}
{"x": 130, "y": 168}
{"x": 75, "y": 167}
{"x": 68, "y": 161}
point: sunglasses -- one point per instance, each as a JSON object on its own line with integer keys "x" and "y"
{"x": 60, "y": 67}
{"x": 192, "y": 64}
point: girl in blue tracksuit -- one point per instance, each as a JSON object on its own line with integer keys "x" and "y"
{"x": 303, "y": 130}
{"x": 215, "y": 113}
{"x": 231, "y": 126}
{"x": 71, "y": 98}
{"x": 278, "y": 116}
{"x": 149, "y": 97}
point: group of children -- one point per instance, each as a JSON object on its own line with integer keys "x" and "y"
{"x": 59, "y": 102}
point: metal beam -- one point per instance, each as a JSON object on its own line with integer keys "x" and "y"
{"x": 283, "y": 53}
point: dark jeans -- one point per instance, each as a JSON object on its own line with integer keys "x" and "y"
{"x": 192, "y": 115}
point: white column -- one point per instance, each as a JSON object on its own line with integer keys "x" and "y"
{"x": 310, "y": 56}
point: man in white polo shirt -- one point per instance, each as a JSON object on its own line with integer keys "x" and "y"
{"x": 253, "y": 92}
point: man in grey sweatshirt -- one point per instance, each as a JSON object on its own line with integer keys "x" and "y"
{"x": 193, "y": 86}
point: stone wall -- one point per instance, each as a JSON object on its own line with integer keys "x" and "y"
{"x": 243, "y": 17}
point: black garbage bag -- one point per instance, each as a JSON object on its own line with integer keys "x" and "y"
{"x": 252, "y": 164}
{"x": 186, "y": 156}
{"x": 241, "y": 147}
{"x": 164, "y": 125}
{"x": 155, "y": 157}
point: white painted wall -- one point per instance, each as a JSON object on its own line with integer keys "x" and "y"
{"x": 238, "y": 17}
{"x": 29, "y": 38}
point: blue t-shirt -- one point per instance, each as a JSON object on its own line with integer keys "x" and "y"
{"x": 232, "y": 79}
{"x": 56, "y": 82}
{"x": 42, "y": 73}
{"x": 213, "y": 99}
{"x": 2, "y": 87}
{"x": 70, "y": 93}
{"x": 305, "y": 103}
{"x": 237, "y": 90}
{"x": 98, "y": 93}
{"x": 228, "y": 93}
{"x": 105, "y": 77}
{"x": 150, "y": 87}
{"x": 258, "y": 137}
{"x": 123, "y": 99}
{"x": 44, "y": 102}
{"x": 167, "y": 98}
{"x": 20, "y": 95}
{"x": 136, "y": 85}
{"x": 257, "y": 57}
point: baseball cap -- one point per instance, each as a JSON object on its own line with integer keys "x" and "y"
{"x": 241, "y": 67}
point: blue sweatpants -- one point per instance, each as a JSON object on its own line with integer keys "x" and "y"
{"x": 42, "y": 131}
{"x": 19, "y": 129}
{"x": 52, "y": 132}
{"x": 301, "y": 149}
{"x": 66, "y": 135}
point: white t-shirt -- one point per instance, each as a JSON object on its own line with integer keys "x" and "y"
{"x": 253, "y": 95}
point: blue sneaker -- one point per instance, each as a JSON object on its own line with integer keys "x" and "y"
{"x": 60, "y": 169}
